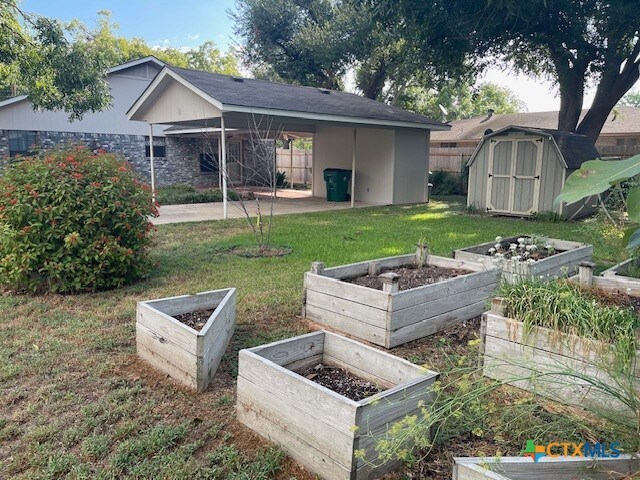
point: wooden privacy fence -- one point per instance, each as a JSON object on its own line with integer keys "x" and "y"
{"x": 296, "y": 164}
{"x": 449, "y": 159}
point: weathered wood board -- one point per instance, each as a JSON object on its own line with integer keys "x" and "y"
{"x": 567, "y": 368}
{"x": 562, "y": 264}
{"x": 189, "y": 356}
{"x": 390, "y": 319}
{"x": 318, "y": 427}
{"x": 558, "y": 468}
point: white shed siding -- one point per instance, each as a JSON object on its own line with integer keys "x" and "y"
{"x": 411, "y": 166}
{"x": 125, "y": 89}
{"x": 550, "y": 177}
{"x": 478, "y": 177}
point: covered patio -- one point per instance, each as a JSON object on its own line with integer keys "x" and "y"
{"x": 385, "y": 147}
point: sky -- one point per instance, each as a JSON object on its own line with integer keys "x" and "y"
{"x": 190, "y": 23}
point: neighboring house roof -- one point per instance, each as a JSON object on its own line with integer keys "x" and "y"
{"x": 12, "y": 100}
{"x": 575, "y": 149}
{"x": 246, "y": 95}
{"x": 622, "y": 120}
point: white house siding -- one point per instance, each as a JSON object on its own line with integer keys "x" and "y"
{"x": 411, "y": 166}
{"x": 125, "y": 89}
{"x": 332, "y": 148}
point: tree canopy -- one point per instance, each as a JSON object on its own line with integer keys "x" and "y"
{"x": 456, "y": 101}
{"x": 57, "y": 64}
{"x": 631, "y": 99}
{"x": 574, "y": 43}
{"x": 63, "y": 66}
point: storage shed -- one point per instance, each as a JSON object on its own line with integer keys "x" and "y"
{"x": 520, "y": 171}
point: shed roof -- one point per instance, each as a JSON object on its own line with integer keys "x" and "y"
{"x": 575, "y": 149}
{"x": 236, "y": 94}
{"x": 622, "y": 121}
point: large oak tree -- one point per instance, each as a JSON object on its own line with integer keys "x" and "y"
{"x": 575, "y": 43}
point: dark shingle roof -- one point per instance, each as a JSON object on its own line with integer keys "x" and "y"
{"x": 623, "y": 120}
{"x": 575, "y": 149}
{"x": 254, "y": 93}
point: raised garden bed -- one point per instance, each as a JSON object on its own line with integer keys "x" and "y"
{"x": 531, "y": 357}
{"x": 187, "y": 354}
{"x": 391, "y": 317}
{"x": 562, "y": 263}
{"x": 618, "y": 278}
{"x": 561, "y": 468}
{"x": 318, "y": 427}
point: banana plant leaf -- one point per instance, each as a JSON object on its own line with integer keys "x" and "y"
{"x": 596, "y": 176}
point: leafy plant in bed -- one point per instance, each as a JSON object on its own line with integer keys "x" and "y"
{"x": 577, "y": 345}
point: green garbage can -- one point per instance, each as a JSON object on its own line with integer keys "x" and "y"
{"x": 337, "y": 184}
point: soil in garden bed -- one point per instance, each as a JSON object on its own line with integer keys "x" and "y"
{"x": 618, "y": 299}
{"x": 342, "y": 382}
{"x": 411, "y": 276}
{"x": 196, "y": 319}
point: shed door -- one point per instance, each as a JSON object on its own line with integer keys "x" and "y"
{"x": 514, "y": 175}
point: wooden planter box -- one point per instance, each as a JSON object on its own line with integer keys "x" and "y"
{"x": 390, "y": 318}
{"x": 185, "y": 354}
{"x": 513, "y": 355}
{"x": 565, "y": 263}
{"x": 615, "y": 278}
{"x": 560, "y": 468}
{"x": 316, "y": 426}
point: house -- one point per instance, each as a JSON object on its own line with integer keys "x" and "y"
{"x": 21, "y": 126}
{"x": 450, "y": 150}
{"x": 385, "y": 147}
{"x": 521, "y": 170}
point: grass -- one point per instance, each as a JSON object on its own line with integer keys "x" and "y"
{"x": 181, "y": 194}
{"x": 77, "y": 403}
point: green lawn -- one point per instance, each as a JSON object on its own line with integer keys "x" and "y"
{"x": 77, "y": 403}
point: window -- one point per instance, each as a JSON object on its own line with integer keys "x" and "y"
{"x": 208, "y": 163}
{"x": 620, "y": 142}
{"x": 159, "y": 148}
{"x": 448, "y": 145}
{"x": 21, "y": 142}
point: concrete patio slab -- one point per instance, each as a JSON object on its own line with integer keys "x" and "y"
{"x": 199, "y": 212}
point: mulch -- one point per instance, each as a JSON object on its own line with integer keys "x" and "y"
{"x": 411, "y": 276}
{"x": 342, "y": 382}
{"x": 614, "y": 299}
{"x": 196, "y": 319}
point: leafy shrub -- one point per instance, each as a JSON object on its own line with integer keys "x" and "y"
{"x": 180, "y": 194}
{"x": 73, "y": 221}
{"x": 281, "y": 179}
{"x": 446, "y": 183}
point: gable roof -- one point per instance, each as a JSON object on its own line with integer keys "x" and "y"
{"x": 135, "y": 63}
{"x": 623, "y": 120}
{"x": 575, "y": 149}
{"x": 247, "y": 95}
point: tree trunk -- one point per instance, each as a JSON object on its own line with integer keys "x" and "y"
{"x": 612, "y": 87}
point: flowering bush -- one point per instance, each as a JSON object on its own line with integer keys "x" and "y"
{"x": 526, "y": 249}
{"x": 73, "y": 221}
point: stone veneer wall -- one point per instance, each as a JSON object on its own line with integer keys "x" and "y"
{"x": 181, "y": 164}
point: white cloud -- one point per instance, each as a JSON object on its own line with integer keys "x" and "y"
{"x": 193, "y": 37}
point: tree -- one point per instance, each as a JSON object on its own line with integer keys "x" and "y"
{"x": 309, "y": 42}
{"x": 631, "y": 99}
{"x": 56, "y": 64}
{"x": 117, "y": 49}
{"x": 575, "y": 43}
{"x": 460, "y": 100}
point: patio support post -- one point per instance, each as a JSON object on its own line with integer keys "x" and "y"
{"x": 291, "y": 163}
{"x": 353, "y": 170}
{"x": 219, "y": 162}
{"x": 223, "y": 143}
{"x": 151, "y": 165}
